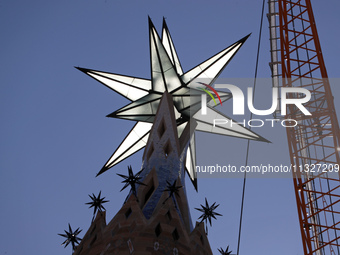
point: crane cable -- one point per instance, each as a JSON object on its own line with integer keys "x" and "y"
{"x": 248, "y": 143}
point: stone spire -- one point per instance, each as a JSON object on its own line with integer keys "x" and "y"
{"x": 153, "y": 222}
{"x": 163, "y": 162}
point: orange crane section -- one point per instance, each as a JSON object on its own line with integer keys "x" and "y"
{"x": 314, "y": 143}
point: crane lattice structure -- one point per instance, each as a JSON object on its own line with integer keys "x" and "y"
{"x": 314, "y": 144}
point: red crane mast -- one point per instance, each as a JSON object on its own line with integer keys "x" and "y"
{"x": 314, "y": 143}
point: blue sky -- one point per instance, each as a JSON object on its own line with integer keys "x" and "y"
{"x": 55, "y": 136}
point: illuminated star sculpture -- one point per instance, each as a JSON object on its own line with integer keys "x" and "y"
{"x": 167, "y": 75}
{"x": 71, "y": 237}
{"x": 97, "y": 203}
{"x": 208, "y": 213}
{"x": 225, "y": 252}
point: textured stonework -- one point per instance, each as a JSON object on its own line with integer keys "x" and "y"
{"x": 151, "y": 223}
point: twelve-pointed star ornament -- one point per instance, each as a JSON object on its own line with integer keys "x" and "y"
{"x": 225, "y": 252}
{"x": 208, "y": 213}
{"x": 132, "y": 180}
{"x": 167, "y": 75}
{"x": 172, "y": 189}
{"x": 97, "y": 203}
{"x": 71, "y": 237}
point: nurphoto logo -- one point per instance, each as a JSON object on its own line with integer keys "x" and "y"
{"x": 238, "y": 99}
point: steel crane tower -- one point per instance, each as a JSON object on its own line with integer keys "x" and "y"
{"x": 314, "y": 143}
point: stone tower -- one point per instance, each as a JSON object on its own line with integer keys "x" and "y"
{"x": 153, "y": 222}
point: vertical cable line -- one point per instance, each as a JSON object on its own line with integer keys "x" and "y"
{"x": 248, "y": 142}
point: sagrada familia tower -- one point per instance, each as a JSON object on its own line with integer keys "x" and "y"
{"x": 155, "y": 217}
{"x": 154, "y": 221}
